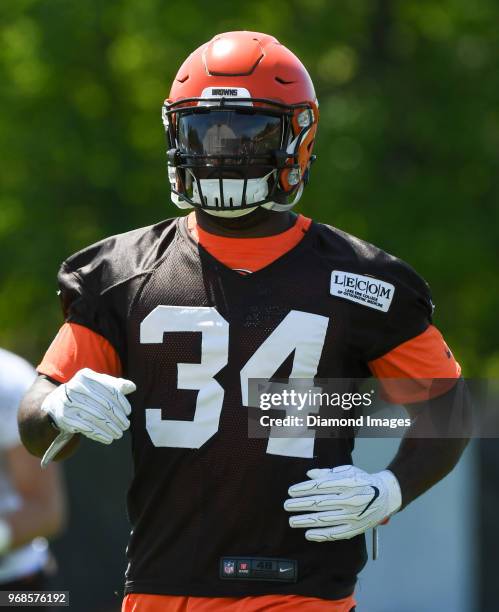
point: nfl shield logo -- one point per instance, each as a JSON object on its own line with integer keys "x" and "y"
{"x": 229, "y": 567}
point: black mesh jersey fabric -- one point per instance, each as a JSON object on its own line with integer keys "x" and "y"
{"x": 186, "y": 328}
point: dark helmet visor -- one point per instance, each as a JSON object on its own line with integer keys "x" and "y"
{"x": 221, "y": 133}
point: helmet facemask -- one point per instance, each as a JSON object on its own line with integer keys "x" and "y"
{"x": 227, "y": 155}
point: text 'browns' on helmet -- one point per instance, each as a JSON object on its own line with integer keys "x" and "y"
{"x": 241, "y": 120}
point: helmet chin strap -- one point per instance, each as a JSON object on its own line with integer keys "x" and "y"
{"x": 285, "y": 207}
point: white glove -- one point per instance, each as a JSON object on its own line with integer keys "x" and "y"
{"x": 91, "y": 404}
{"x": 343, "y": 502}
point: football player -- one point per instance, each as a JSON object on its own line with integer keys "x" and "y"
{"x": 32, "y": 502}
{"x": 165, "y": 325}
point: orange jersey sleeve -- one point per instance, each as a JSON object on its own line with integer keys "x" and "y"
{"x": 426, "y": 365}
{"x": 284, "y": 603}
{"x": 76, "y": 347}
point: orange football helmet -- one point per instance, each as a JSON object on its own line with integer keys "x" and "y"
{"x": 241, "y": 120}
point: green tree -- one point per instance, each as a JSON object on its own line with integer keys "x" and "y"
{"x": 407, "y": 148}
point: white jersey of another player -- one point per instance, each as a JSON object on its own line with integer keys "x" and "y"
{"x": 16, "y": 375}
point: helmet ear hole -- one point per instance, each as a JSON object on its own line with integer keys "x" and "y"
{"x": 289, "y": 179}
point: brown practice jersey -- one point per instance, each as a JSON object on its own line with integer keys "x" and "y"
{"x": 191, "y": 332}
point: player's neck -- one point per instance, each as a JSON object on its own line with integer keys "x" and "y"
{"x": 258, "y": 224}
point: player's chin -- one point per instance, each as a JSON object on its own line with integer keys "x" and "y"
{"x": 256, "y": 216}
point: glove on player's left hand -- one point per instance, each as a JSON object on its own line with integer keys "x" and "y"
{"x": 342, "y": 502}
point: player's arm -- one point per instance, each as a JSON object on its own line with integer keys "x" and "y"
{"x": 345, "y": 501}
{"x": 419, "y": 372}
{"x": 42, "y": 511}
{"x": 84, "y": 357}
{"x": 90, "y": 403}
{"x": 36, "y": 430}
{"x": 421, "y": 460}
{"x": 79, "y": 391}
{"x": 422, "y": 374}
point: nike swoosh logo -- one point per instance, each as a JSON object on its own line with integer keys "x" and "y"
{"x": 374, "y": 498}
{"x": 286, "y": 569}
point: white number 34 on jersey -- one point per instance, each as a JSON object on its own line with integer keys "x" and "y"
{"x": 301, "y": 332}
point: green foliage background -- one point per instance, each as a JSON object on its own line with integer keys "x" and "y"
{"x": 407, "y": 149}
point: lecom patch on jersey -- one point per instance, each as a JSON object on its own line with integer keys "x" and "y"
{"x": 364, "y": 290}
